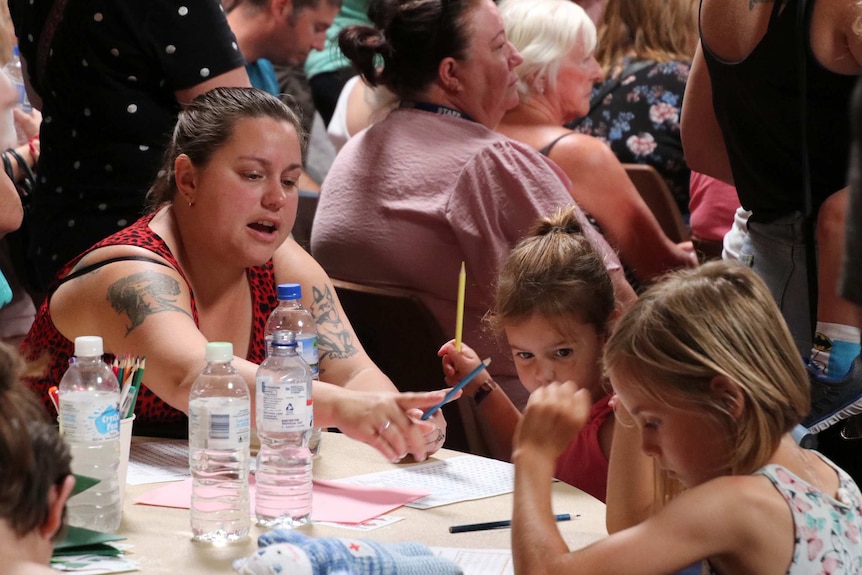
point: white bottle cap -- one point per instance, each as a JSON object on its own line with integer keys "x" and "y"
{"x": 219, "y": 351}
{"x": 88, "y": 346}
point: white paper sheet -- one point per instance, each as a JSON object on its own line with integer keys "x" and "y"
{"x": 158, "y": 461}
{"x": 451, "y": 480}
{"x": 478, "y": 561}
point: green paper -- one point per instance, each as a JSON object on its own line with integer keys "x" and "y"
{"x": 100, "y": 549}
{"x": 78, "y": 539}
{"x": 83, "y": 482}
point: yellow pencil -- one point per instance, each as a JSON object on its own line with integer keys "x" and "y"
{"x": 459, "y": 318}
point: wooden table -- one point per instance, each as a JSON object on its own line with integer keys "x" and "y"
{"x": 162, "y": 537}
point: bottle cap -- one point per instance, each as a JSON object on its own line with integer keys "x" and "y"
{"x": 219, "y": 352}
{"x": 289, "y": 291}
{"x": 88, "y": 346}
{"x": 284, "y": 338}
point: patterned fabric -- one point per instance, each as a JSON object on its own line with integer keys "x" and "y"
{"x": 639, "y": 120}
{"x": 109, "y": 106}
{"x": 582, "y": 462}
{"x": 44, "y": 338}
{"x": 828, "y": 537}
{"x": 290, "y": 552}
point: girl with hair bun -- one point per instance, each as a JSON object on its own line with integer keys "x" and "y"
{"x": 554, "y": 303}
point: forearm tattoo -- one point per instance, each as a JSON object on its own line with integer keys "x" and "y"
{"x": 334, "y": 340}
{"x": 143, "y": 294}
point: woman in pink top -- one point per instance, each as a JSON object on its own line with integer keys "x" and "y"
{"x": 432, "y": 184}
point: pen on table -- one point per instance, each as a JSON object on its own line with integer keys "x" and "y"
{"x": 497, "y": 524}
{"x": 456, "y": 389}
{"x": 459, "y": 317}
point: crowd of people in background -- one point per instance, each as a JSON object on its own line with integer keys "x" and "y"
{"x": 150, "y": 194}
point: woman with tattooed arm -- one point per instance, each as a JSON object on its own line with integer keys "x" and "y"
{"x": 204, "y": 264}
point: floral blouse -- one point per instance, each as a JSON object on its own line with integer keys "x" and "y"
{"x": 640, "y": 119}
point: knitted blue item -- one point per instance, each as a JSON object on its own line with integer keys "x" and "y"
{"x": 289, "y": 552}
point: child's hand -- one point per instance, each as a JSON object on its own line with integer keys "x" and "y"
{"x": 457, "y": 364}
{"x": 554, "y": 414}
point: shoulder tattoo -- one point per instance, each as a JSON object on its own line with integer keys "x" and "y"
{"x": 143, "y": 294}
{"x": 334, "y": 340}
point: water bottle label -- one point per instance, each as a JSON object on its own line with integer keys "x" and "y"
{"x": 284, "y": 406}
{"x": 89, "y": 421}
{"x": 221, "y": 424}
{"x": 306, "y": 348}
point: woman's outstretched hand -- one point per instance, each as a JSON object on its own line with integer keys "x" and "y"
{"x": 391, "y": 422}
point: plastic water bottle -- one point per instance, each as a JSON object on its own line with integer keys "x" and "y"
{"x": 219, "y": 440}
{"x": 15, "y": 72}
{"x": 292, "y": 316}
{"x": 90, "y": 420}
{"x": 285, "y": 416}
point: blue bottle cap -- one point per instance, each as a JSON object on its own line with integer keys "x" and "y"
{"x": 289, "y": 291}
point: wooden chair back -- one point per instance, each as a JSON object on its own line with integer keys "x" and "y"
{"x": 653, "y": 189}
{"x": 305, "y": 211}
{"x": 402, "y": 337}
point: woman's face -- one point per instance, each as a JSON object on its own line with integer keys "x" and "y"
{"x": 247, "y": 193}
{"x": 489, "y": 85}
{"x": 543, "y": 355}
{"x": 578, "y": 71}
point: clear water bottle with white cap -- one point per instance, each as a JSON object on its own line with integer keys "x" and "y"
{"x": 89, "y": 397}
{"x": 285, "y": 417}
{"x": 219, "y": 449}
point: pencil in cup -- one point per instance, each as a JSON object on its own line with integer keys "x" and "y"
{"x": 127, "y": 405}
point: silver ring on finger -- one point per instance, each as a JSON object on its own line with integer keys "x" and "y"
{"x": 384, "y": 427}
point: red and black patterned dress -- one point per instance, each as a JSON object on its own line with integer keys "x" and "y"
{"x": 45, "y": 338}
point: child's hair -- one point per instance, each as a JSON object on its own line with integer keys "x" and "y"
{"x": 554, "y": 272}
{"x": 716, "y": 320}
{"x": 33, "y": 456}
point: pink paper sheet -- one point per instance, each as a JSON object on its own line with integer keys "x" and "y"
{"x": 332, "y": 501}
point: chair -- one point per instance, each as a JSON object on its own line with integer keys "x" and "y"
{"x": 653, "y": 189}
{"x": 305, "y": 211}
{"x": 402, "y": 337}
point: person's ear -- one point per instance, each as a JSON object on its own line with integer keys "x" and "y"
{"x": 186, "y": 176}
{"x": 729, "y": 395}
{"x": 57, "y": 497}
{"x": 447, "y": 72}
{"x": 281, "y": 9}
{"x": 611, "y": 323}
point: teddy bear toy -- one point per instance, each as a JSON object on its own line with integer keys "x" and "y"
{"x": 283, "y": 551}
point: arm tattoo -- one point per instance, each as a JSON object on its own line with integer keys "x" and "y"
{"x": 142, "y": 294}
{"x": 334, "y": 340}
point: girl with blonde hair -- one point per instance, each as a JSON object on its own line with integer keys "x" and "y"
{"x": 709, "y": 372}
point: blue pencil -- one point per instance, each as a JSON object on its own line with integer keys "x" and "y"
{"x": 456, "y": 389}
